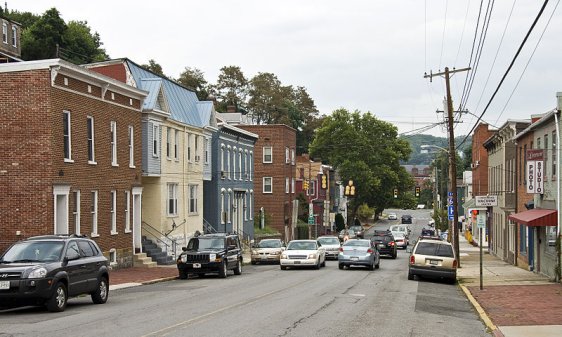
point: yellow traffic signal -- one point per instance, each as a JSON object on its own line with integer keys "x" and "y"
{"x": 324, "y": 182}
{"x": 417, "y": 191}
{"x": 305, "y": 185}
{"x": 395, "y": 193}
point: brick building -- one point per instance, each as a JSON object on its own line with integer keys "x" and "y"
{"x": 274, "y": 180}
{"x": 10, "y": 47}
{"x": 70, "y": 156}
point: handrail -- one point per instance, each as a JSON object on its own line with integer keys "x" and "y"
{"x": 208, "y": 228}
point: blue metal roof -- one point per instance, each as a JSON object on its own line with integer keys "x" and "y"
{"x": 182, "y": 102}
{"x": 153, "y": 86}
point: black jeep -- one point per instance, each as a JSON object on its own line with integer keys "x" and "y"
{"x": 46, "y": 270}
{"x": 211, "y": 253}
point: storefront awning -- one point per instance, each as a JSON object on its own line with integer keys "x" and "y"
{"x": 535, "y": 217}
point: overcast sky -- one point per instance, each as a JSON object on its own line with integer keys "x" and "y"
{"x": 367, "y": 55}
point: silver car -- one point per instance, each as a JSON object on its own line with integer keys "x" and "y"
{"x": 332, "y": 246}
{"x": 359, "y": 252}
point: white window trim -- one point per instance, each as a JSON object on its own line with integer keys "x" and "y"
{"x": 196, "y": 148}
{"x": 270, "y": 154}
{"x": 155, "y": 140}
{"x": 222, "y": 216}
{"x": 113, "y": 211}
{"x": 206, "y": 151}
{"x": 240, "y": 177}
{"x": 228, "y": 150}
{"x": 92, "y": 147}
{"x": 292, "y": 156}
{"x": 169, "y": 143}
{"x": 131, "y": 147}
{"x": 245, "y": 205}
{"x": 127, "y": 211}
{"x": 113, "y": 126}
{"x": 76, "y": 212}
{"x": 251, "y": 205}
{"x": 94, "y": 213}
{"x": 5, "y": 32}
{"x": 69, "y": 126}
{"x": 287, "y": 158}
{"x": 270, "y": 184}
{"x": 195, "y": 197}
{"x": 174, "y": 187}
{"x": 176, "y": 145}
{"x": 189, "y": 154}
{"x": 246, "y": 168}
{"x": 228, "y": 205}
{"x": 293, "y": 185}
{"x": 222, "y": 173}
{"x": 251, "y": 165}
{"x": 113, "y": 257}
{"x": 14, "y": 36}
{"x": 287, "y": 185}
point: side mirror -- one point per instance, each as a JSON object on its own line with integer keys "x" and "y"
{"x": 184, "y": 249}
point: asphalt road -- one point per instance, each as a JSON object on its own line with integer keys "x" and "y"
{"x": 266, "y": 301}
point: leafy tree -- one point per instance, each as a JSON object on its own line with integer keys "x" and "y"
{"x": 194, "y": 79}
{"x": 366, "y": 150}
{"x": 154, "y": 67}
{"x": 340, "y": 222}
{"x": 40, "y": 40}
{"x": 266, "y": 97}
{"x": 365, "y": 213}
{"x": 80, "y": 45}
{"x": 231, "y": 88}
{"x": 25, "y": 19}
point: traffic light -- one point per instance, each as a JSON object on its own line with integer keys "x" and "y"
{"x": 395, "y": 193}
{"x": 417, "y": 191}
{"x": 305, "y": 185}
{"x": 324, "y": 182}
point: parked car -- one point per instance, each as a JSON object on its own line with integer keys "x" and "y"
{"x": 267, "y": 250}
{"x": 406, "y": 218}
{"x": 350, "y": 234}
{"x": 433, "y": 259}
{"x": 332, "y": 246}
{"x": 359, "y": 231}
{"x": 303, "y": 253}
{"x": 400, "y": 240}
{"x": 384, "y": 242}
{"x": 392, "y": 216}
{"x": 47, "y": 270}
{"x": 211, "y": 253}
{"x": 359, "y": 252}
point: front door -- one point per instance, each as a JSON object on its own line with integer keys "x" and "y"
{"x": 531, "y": 248}
{"x": 137, "y": 206}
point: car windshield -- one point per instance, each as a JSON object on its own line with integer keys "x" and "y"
{"x": 269, "y": 244}
{"x": 329, "y": 241}
{"x": 205, "y": 243}
{"x": 435, "y": 249}
{"x": 356, "y": 243}
{"x": 34, "y": 251}
{"x": 302, "y": 245}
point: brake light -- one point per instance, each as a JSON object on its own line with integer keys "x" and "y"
{"x": 341, "y": 249}
{"x": 391, "y": 243}
{"x": 455, "y": 263}
{"x": 370, "y": 251}
{"x": 413, "y": 259}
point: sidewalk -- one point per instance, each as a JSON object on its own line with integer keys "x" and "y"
{"x": 513, "y": 302}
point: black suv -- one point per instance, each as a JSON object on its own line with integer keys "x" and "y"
{"x": 384, "y": 241}
{"x": 47, "y": 270}
{"x": 211, "y": 253}
{"x": 406, "y": 218}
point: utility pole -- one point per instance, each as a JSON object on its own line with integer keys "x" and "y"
{"x": 452, "y": 157}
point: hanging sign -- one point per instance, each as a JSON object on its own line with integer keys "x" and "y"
{"x": 535, "y": 171}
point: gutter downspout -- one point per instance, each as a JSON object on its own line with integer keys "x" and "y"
{"x": 558, "y": 257}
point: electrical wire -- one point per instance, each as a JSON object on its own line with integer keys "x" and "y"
{"x": 443, "y": 35}
{"x": 507, "y": 71}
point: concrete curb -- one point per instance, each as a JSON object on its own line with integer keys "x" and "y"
{"x": 483, "y": 316}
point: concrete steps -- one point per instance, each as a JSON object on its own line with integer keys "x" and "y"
{"x": 143, "y": 261}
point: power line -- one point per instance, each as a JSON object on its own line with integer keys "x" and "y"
{"x": 508, "y": 70}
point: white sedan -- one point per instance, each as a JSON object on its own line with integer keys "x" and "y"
{"x": 392, "y": 216}
{"x": 303, "y": 253}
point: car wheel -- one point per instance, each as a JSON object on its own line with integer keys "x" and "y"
{"x": 254, "y": 262}
{"x": 238, "y": 269}
{"x": 340, "y": 266}
{"x": 100, "y": 295}
{"x": 324, "y": 263}
{"x": 182, "y": 274}
{"x": 318, "y": 265}
{"x": 372, "y": 266}
{"x": 410, "y": 276}
{"x": 377, "y": 266}
{"x": 222, "y": 270}
{"x": 58, "y": 300}
{"x": 283, "y": 268}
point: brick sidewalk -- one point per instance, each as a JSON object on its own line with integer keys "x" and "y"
{"x": 141, "y": 275}
{"x": 516, "y": 305}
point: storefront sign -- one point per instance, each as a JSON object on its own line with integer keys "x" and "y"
{"x": 486, "y": 200}
{"x": 535, "y": 171}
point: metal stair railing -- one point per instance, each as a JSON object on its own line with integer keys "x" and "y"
{"x": 208, "y": 228}
{"x": 148, "y": 229}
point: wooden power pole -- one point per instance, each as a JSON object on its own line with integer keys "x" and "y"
{"x": 452, "y": 157}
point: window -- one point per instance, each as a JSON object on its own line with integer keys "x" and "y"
{"x": 91, "y": 146}
{"x": 222, "y": 161}
{"x": 523, "y": 239}
{"x": 311, "y": 188}
{"x": 223, "y": 216}
{"x": 245, "y": 205}
{"x": 551, "y": 239}
{"x": 188, "y": 147}
{"x": 206, "y": 151}
{"x": 554, "y": 151}
{"x": 172, "y": 199}
{"x": 131, "y": 147}
{"x": 76, "y": 211}
{"x": 113, "y": 211}
{"x": 293, "y": 185}
{"x": 240, "y": 164}
{"x": 251, "y": 165}
{"x": 94, "y": 212}
{"x": 67, "y": 136}
{"x": 155, "y": 140}
{"x": 192, "y": 198}
{"x": 287, "y": 156}
{"x": 168, "y": 142}
{"x": 228, "y": 204}
{"x": 287, "y": 186}
{"x": 176, "y": 143}
{"x": 14, "y": 36}
{"x": 5, "y": 32}
{"x": 196, "y": 147}
{"x": 267, "y": 185}
{"x": 234, "y": 163}
{"x": 228, "y": 162}
{"x": 114, "y": 143}
{"x": 292, "y": 156}
{"x": 127, "y": 211}
{"x": 251, "y": 206}
{"x": 246, "y": 168}
{"x": 267, "y": 154}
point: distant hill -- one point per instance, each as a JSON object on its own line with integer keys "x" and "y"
{"x": 416, "y": 141}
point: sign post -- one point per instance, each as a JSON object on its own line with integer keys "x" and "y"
{"x": 481, "y": 222}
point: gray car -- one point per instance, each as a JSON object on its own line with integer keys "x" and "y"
{"x": 332, "y": 246}
{"x": 359, "y": 252}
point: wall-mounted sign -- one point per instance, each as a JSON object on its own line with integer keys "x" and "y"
{"x": 486, "y": 200}
{"x": 535, "y": 171}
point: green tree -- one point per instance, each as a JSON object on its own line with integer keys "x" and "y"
{"x": 231, "y": 88}
{"x": 366, "y": 150}
{"x": 194, "y": 79}
{"x": 154, "y": 67}
{"x": 340, "y": 222}
{"x": 365, "y": 213}
{"x": 266, "y": 97}
{"x": 80, "y": 45}
{"x": 39, "y": 41}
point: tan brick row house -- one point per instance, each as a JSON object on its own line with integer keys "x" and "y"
{"x": 69, "y": 158}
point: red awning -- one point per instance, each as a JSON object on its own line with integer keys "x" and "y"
{"x": 536, "y": 217}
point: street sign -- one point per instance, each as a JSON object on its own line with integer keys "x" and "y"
{"x": 451, "y": 212}
{"x": 481, "y": 220}
{"x": 450, "y": 194}
{"x": 311, "y": 220}
{"x": 450, "y": 200}
{"x": 486, "y": 200}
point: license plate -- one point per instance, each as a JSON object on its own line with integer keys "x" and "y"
{"x": 264, "y": 257}
{"x": 433, "y": 262}
{"x": 297, "y": 262}
{"x": 354, "y": 258}
{"x": 4, "y": 285}
{"x": 197, "y": 265}
{"x": 381, "y": 245}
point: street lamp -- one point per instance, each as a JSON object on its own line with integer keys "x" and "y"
{"x": 453, "y": 183}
